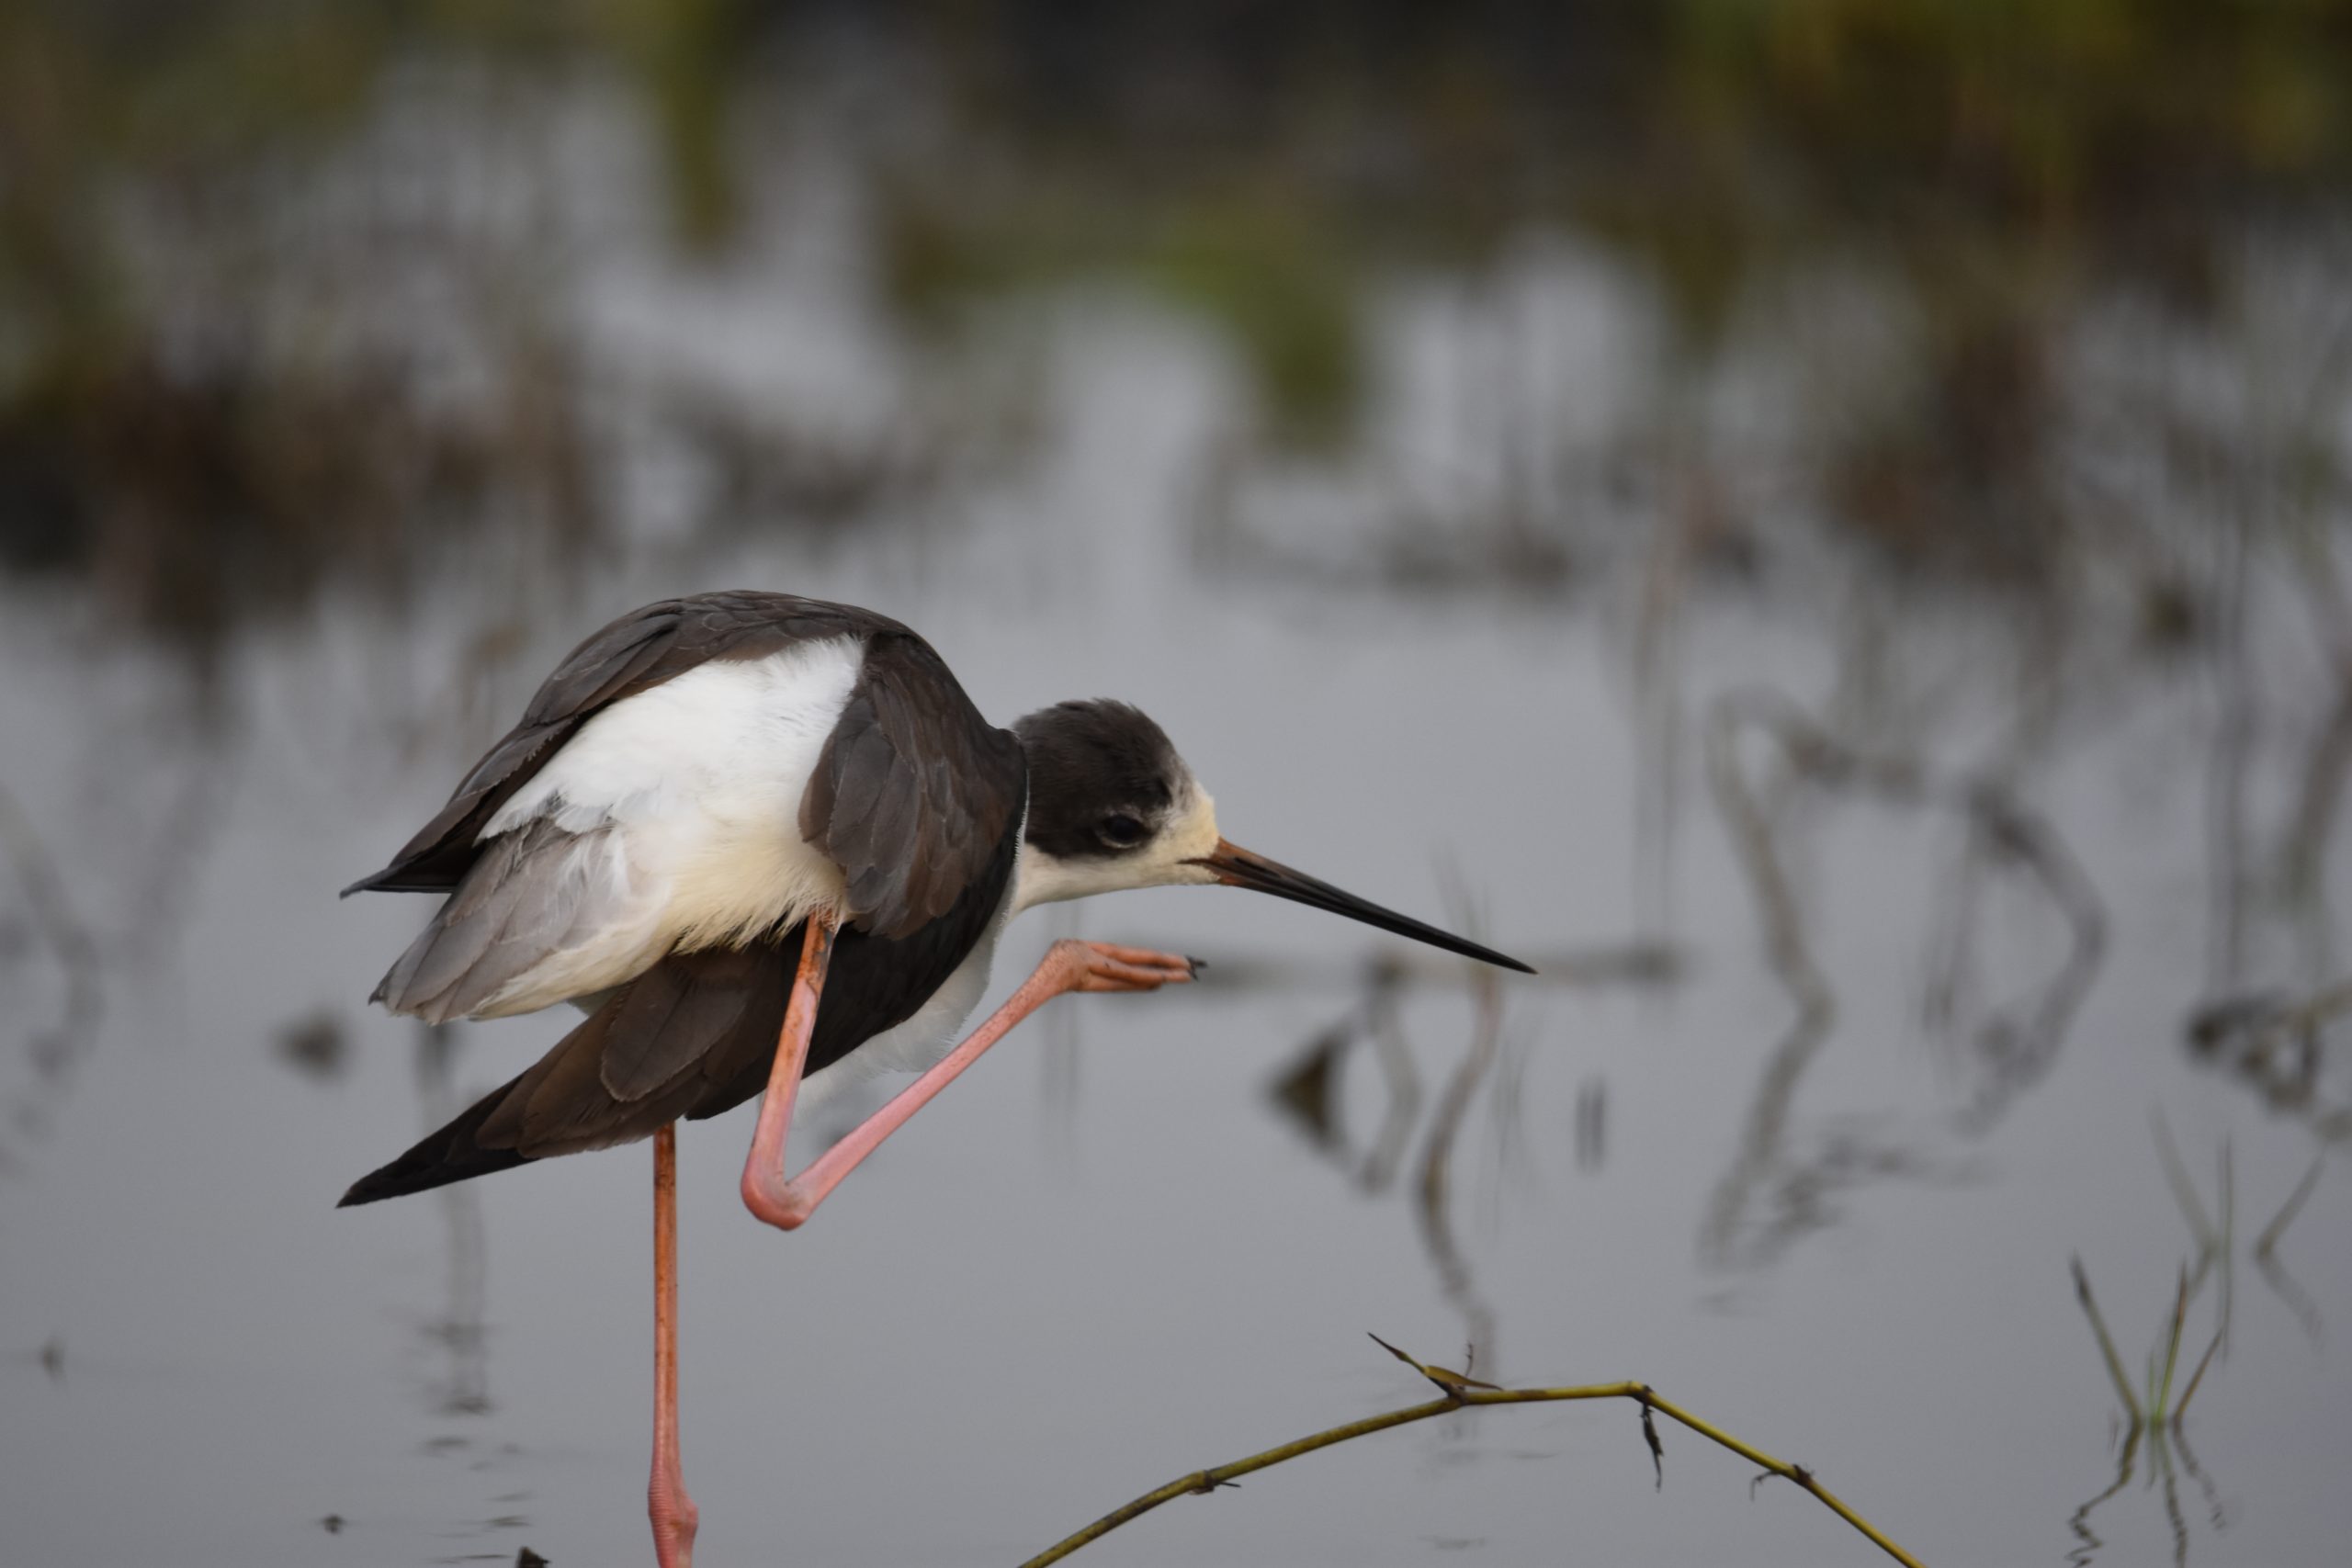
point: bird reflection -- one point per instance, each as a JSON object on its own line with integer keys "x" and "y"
{"x": 458, "y": 1332}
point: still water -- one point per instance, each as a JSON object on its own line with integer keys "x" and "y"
{"x": 1870, "y": 972}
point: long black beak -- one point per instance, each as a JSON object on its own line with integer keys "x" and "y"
{"x": 1236, "y": 867}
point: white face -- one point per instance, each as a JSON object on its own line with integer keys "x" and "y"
{"x": 1188, "y": 833}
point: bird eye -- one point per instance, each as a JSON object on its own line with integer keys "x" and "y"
{"x": 1121, "y": 831}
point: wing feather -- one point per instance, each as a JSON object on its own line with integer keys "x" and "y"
{"x": 914, "y": 791}
{"x": 535, "y": 893}
{"x": 669, "y": 1021}
{"x": 642, "y": 649}
{"x": 636, "y": 1062}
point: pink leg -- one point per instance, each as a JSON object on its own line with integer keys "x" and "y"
{"x": 672, "y": 1511}
{"x": 1067, "y": 966}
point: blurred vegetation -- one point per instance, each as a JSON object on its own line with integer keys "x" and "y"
{"x": 223, "y": 383}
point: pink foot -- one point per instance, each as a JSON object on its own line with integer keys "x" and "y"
{"x": 1101, "y": 967}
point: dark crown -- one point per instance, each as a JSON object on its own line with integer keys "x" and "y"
{"x": 1090, "y": 763}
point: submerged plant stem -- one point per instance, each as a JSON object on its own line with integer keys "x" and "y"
{"x": 1457, "y": 1398}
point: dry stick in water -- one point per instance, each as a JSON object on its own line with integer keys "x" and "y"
{"x": 1459, "y": 1392}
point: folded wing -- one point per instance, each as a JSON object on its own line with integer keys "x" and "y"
{"x": 690, "y": 784}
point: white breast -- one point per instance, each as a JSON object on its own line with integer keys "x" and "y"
{"x": 696, "y": 786}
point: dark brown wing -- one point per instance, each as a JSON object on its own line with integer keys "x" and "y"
{"x": 915, "y": 790}
{"x": 599, "y": 1084}
{"x": 693, "y": 1036}
{"x": 640, "y": 650}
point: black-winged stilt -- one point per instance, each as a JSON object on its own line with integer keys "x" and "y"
{"x": 757, "y": 837}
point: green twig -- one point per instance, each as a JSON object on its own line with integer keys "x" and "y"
{"x": 1459, "y": 1393}
{"x": 2195, "y": 1377}
{"x": 2105, "y": 1342}
{"x": 2172, "y": 1347}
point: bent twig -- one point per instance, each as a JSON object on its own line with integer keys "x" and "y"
{"x": 1458, "y": 1391}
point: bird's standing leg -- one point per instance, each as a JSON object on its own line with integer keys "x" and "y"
{"x": 1067, "y": 966}
{"x": 672, "y": 1511}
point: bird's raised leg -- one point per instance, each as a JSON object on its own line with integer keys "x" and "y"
{"x": 1067, "y": 966}
{"x": 672, "y": 1511}
{"x": 764, "y": 1167}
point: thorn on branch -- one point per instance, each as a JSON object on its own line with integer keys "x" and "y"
{"x": 1208, "y": 1484}
{"x": 1795, "y": 1472}
{"x": 1452, "y": 1384}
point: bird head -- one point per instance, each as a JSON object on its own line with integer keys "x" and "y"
{"x": 1113, "y": 805}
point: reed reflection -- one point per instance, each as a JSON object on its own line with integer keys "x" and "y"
{"x": 2277, "y": 1047}
{"x": 38, "y": 912}
{"x": 1309, "y": 1095}
{"x": 2155, "y": 1409}
{"x": 1784, "y": 1180}
{"x": 2153, "y": 1413}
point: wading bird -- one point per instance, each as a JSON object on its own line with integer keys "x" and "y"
{"x": 756, "y": 837}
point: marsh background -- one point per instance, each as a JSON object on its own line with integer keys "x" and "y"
{"x": 1822, "y": 525}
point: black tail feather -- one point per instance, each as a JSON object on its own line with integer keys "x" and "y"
{"x": 447, "y": 1156}
{"x": 403, "y": 877}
